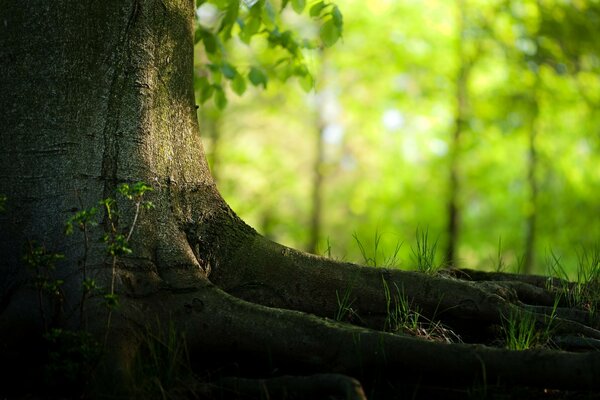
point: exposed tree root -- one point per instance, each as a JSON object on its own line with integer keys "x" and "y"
{"x": 475, "y": 305}
{"x": 319, "y": 386}
{"x": 221, "y": 327}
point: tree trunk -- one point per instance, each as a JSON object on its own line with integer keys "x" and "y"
{"x": 95, "y": 94}
{"x": 532, "y": 184}
{"x": 460, "y": 118}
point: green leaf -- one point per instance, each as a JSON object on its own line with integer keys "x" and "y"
{"x": 298, "y": 5}
{"x": 210, "y": 42}
{"x": 238, "y": 85}
{"x": 199, "y": 81}
{"x": 330, "y": 33}
{"x": 229, "y": 71}
{"x": 307, "y": 82}
{"x": 316, "y": 9}
{"x": 337, "y": 18}
{"x": 220, "y": 98}
{"x": 198, "y": 35}
{"x": 250, "y": 28}
{"x": 231, "y": 15}
{"x": 206, "y": 92}
{"x": 284, "y": 4}
{"x": 257, "y": 77}
{"x": 268, "y": 15}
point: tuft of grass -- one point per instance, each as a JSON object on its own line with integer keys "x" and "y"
{"x": 400, "y": 316}
{"x": 328, "y": 248}
{"x": 500, "y": 264}
{"x": 584, "y": 292}
{"x": 424, "y": 253}
{"x": 519, "y": 330}
{"x": 403, "y": 317}
{"x": 522, "y": 332}
{"x": 344, "y": 311}
{"x": 376, "y": 257}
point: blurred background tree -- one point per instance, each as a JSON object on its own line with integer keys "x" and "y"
{"x": 474, "y": 121}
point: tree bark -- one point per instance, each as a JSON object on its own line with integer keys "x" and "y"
{"x": 460, "y": 119}
{"x": 95, "y": 94}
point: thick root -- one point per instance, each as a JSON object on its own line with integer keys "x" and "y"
{"x": 218, "y": 326}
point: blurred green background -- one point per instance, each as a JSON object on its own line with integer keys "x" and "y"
{"x": 476, "y": 122}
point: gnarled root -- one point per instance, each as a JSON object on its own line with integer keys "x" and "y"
{"x": 222, "y": 328}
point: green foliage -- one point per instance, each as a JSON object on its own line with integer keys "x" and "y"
{"x": 82, "y": 220}
{"x": 386, "y": 108}
{"x": 255, "y": 24}
{"x": 41, "y": 263}
{"x": 39, "y": 259}
{"x": 74, "y": 354}
{"x": 116, "y": 245}
{"x": 3, "y": 200}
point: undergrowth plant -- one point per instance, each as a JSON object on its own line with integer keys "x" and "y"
{"x": 117, "y": 241}
{"x": 424, "y": 253}
{"x": 584, "y": 291}
{"x": 376, "y": 257}
{"x": 74, "y": 354}
{"x": 405, "y": 318}
{"x": 521, "y": 329}
{"x": 41, "y": 264}
{"x": 400, "y": 316}
{"x": 344, "y": 310}
{"x": 500, "y": 264}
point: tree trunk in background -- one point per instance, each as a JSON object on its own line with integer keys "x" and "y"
{"x": 318, "y": 163}
{"x": 460, "y": 118}
{"x": 317, "y": 193}
{"x": 532, "y": 184}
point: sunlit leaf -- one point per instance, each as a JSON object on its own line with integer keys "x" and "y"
{"x": 257, "y": 77}
{"x": 337, "y": 18}
{"x": 210, "y": 42}
{"x": 231, "y": 15}
{"x": 268, "y": 15}
{"x": 298, "y": 5}
{"x": 329, "y": 33}
{"x": 206, "y": 93}
{"x": 220, "y": 98}
{"x": 250, "y": 28}
{"x": 250, "y": 3}
{"x": 238, "y": 84}
{"x": 228, "y": 70}
{"x": 316, "y": 9}
{"x": 307, "y": 82}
